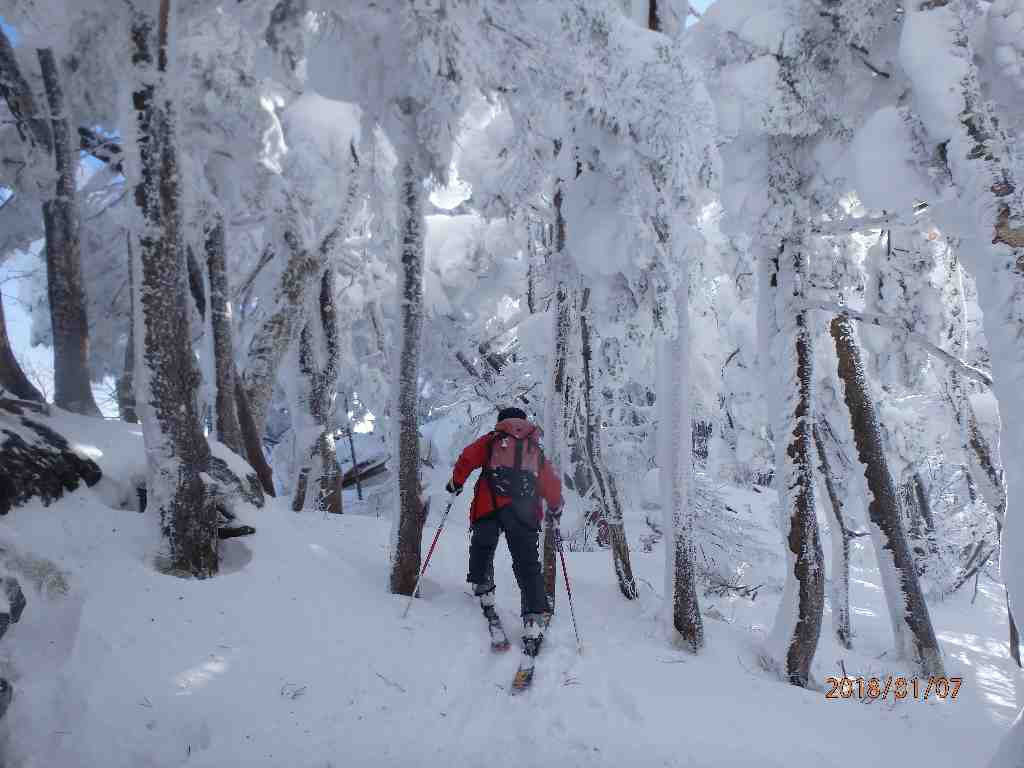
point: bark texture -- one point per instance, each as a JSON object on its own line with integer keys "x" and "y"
{"x": 71, "y": 381}
{"x": 604, "y": 480}
{"x": 126, "y": 383}
{"x": 168, "y": 380}
{"x": 405, "y": 564}
{"x": 318, "y": 365}
{"x": 29, "y": 121}
{"x": 229, "y": 431}
{"x": 798, "y": 624}
{"x": 36, "y": 461}
{"x": 555, "y": 415}
{"x": 835, "y": 487}
{"x": 912, "y": 625}
{"x": 12, "y": 378}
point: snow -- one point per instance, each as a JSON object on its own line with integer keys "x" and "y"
{"x": 882, "y": 150}
{"x": 266, "y": 664}
{"x": 926, "y": 55}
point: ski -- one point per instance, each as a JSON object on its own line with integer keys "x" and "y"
{"x": 524, "y": 674}
{"x": 499, "y": 640}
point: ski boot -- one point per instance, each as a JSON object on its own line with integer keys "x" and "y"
{"x": 499, "y": 640}
{"x": 533, "y": 633}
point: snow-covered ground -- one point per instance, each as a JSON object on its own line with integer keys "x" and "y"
{"x": 297, "y": 656}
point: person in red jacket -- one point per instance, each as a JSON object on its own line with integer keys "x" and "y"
{"x": 507, "y": 498}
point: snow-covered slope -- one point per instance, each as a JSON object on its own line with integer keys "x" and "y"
{"x": 297, "y": 656}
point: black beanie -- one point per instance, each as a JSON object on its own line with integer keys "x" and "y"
{"x": 511, "y": 413}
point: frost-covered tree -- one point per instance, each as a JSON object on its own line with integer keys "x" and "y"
{"x": 50, "y": 142}
{"x": 166, "y": 377}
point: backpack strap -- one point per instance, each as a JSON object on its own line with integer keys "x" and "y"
{"x": 487, "y": 468}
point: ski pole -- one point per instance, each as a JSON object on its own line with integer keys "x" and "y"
{"x": 568, "y": 589}
{"x": 429, "y": 553}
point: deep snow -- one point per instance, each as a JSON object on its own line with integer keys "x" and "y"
{"x": 296, "y": 656}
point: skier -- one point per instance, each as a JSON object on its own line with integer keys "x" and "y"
{"x": 507, "y": 497}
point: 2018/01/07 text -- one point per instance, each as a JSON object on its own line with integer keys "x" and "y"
{"x": 900, "y": 687}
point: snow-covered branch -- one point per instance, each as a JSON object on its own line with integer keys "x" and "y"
{"x": 892, "y": 324}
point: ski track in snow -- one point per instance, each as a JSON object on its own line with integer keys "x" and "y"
{"x": 295, "y": 656}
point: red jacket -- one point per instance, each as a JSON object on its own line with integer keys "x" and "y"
{"x": 474, "y": 456}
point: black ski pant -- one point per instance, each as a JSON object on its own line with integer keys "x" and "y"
{"x": 522, "y": 540}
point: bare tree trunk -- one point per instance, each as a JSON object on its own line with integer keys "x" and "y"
{"x": 12, "y": 378}
{"x": 911, "y": 623}
{"x": 798, "y": 622}
{"x": 229, "y": 431}
{"x": 166, "y": 374}
{"x": 405, "y": 564}
{"x": 71, "y": 380}
{"x": 840, "y": 546}
{"x": 251, "y": 437}
{"x": 604, "y": 480}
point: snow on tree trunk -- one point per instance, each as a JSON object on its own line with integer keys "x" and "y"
{"x": 281, "y": 327}
{"x": 912, "y": 626}
{"x": 21, "y": 101}
{"x": 12, "y": 378}
{"x": 840, "y": 542}
{"x": 788, "y": 344}
{"x": 408, "y": 524}
{"x": 675, "y": 464}
{"x": 319, "y": 353}
{"x": 993, "y": 206}
{"x": 167, "y": 380}
{"x": 604, "y": 480}
{"x": 251, "y": 437}
{"x": 126, "y": 382}
{"x": 555, "y": 398}
{"x": 71, "y": 381}
{"x": 228, "y": 430}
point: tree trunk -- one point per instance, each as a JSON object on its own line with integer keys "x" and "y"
{"x": 229, "y": 431}
{"x": 840, "y": 546}
{"x": 12, "y": 378}
{"x": 798, "y": 622}
{"x": 251, "y": 437}
{"x": 126, "y": 383}
{"x": 318, "y": 364}
{"x": 281, "y": 327}
{"x": 408, "y": 527}
{"x": 16, "y": 91}
{"x": 911, "y": 623}
{"x": 71, "y": 381}
{"x": 675, "y": 462}
{"x": 555, "y": 414}
{"x": 604, "y": 480}
{"x": 166, "y": 375}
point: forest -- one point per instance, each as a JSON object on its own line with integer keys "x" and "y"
{"x": 751, "y": 272}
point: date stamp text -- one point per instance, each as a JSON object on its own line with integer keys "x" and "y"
{"x": 899, "y": 688}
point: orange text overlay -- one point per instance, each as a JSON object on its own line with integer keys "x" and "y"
{"x": 898, "y": 688}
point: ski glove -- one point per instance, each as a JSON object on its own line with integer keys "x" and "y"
{"x": 555, "y": 515}
{"x": 453, "y": 487}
